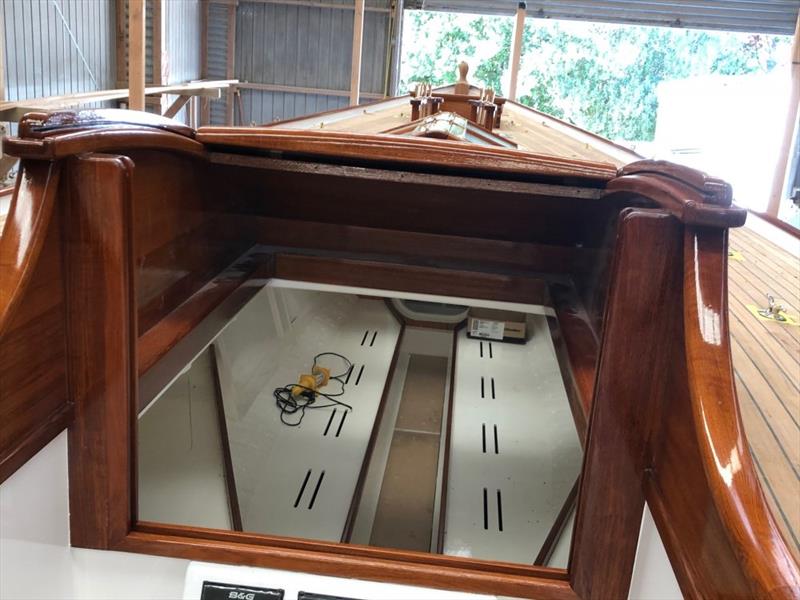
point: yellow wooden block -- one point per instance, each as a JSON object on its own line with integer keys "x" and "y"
{"x": 790, "y": 320}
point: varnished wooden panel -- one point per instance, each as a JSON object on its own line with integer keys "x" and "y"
{"x": 34, "y": 406}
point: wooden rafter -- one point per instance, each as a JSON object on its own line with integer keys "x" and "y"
{"x": 358, "y": 39}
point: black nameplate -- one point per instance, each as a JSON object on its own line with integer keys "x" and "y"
{"x": 227, "y": 591}
{"x": 313, "y": 596}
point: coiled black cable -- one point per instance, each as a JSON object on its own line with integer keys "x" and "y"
{"x": 297, "y": 405}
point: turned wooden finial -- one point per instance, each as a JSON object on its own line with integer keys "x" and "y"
{"x": 462, "y": 85}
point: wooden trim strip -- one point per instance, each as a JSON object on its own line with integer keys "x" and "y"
{"x": 405, "y": 150}
{"x": 352, "y": 512}
{"x": 230, "y": 479}
{"x": 776, "y": 222}
{"x": 448, "y": 434}
{"x": 479, "y": 578}
{"x": 554, "y": 534}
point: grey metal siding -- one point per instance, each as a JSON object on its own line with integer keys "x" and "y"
{"x": 182, "y": 43}
{"x": 58, "y": 47}
{"x": 765, "y": 16}
{"x": 303, "y": 46}
{"x": 217, "y": 60}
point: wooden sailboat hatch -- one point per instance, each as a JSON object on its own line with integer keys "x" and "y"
{"x": 258, "y": 340}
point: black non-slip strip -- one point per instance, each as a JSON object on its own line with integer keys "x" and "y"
{"x": 302, "y": 488}
{"x": 374, "y": 335}
{"x": 490, "y": 350}
{"x": 496, "y": 447}
{"x": 482, "y": 390}
{"x": 492, "y": 388}
{"x": 316, "y": 489}
{"x": 481, "y": 349}
{"x": 349, "y": 372}
{"x": 339, "y": 430}
{"x": 485, "y": 510}
{"x": 499, "y": 511}
{"x": 483, "y": 430}
{"x": 360, "y": 372}
{"x": 364, "y": 339}
{"x": 330, "y": 420}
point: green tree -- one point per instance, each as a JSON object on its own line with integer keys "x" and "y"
{"x": 601, "y": 77}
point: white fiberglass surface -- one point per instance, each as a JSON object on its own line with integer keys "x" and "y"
{"x": 514, "y": 450}
{"x": 300, "y": 481}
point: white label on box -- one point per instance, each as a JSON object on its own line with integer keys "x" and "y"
{"x": 492, "y": 330}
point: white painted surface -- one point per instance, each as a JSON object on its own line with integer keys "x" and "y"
{"x": 292, "y": 583}
{"x": 271, "y": 460}
{"x": 653, "y": 577}
{"x": 180, "y": 456}
{"x": 539, "y": 451}
{"x": 536, "y": 309}
{"x": 36, "y": 560}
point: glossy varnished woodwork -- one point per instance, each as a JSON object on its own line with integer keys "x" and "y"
{"x": 123, "y": 215}
{"x": 627, "y": 395}
{"x": 726, "y": 519}
{"x": 404, "y": 151}
{"x": 101, "y": 325}
{"x": 34, "y": 403}
{"x": 25, "y": 230}
{"x": 425, "y": 571}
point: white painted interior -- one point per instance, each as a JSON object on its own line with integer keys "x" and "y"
{"x": 539, "y": 451}
{"x": 36, "y": 560}
{"x": 653, "y": 577}
{"x": 181, "y": 471}
{"x": 271, "y": 460}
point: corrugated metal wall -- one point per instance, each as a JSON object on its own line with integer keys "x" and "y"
{"x": 216, "y": 67}
{"x": 764, "y": 16}
{"x": 182, "y": 43}
{"x": 285, "y": 46}
{"x": 57, "y": 47}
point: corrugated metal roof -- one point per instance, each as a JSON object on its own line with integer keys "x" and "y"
{"x": 757, "y": 16}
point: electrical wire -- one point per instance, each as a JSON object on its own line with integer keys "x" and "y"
{"x": 297, "y": 405}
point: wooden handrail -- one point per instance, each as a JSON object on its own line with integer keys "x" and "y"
{"x": 24, "y": 232}
{"x": 755, "y": 540}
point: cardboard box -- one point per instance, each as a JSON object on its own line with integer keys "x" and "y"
{"x": 496, "y": 325}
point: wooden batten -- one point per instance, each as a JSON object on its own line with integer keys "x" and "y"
{"x": 136, "y": 54}
{"x": 358, "y": 42}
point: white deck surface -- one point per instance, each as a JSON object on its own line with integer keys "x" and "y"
{"x": 538, "y": 453}
{"x": 299, "y": 481}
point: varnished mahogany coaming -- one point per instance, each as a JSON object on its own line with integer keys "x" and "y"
{"x": 125, "y": 239}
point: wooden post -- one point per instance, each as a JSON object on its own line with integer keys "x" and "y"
{"x": 205, "y": 108}
{"x": 136, "y": 40}
{"x": 229, "y": 67}
{"x": 159, "y": 36}
{"x": 358, "y": 38}
{"x": 121, "y": 45}
{"x": 516, "y": 50}
{"x": 776, "y": 194}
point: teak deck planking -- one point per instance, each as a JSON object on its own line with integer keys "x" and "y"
{"x": 766, "y": 361}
